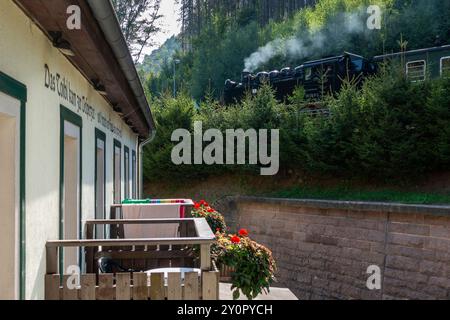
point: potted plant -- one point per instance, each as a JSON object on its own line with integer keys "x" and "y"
{"x": 248, "y": 265}
{"x": 251, "y": 264}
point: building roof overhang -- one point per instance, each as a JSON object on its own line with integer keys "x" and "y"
{"x": 96, "y": 56}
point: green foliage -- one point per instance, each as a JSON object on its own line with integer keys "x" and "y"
{"x": 298, "y": 97}
{"x": 224, "y": 41}
{"x": 387, "y": 129}
{"x": 215, "y": 220}
{"x": 154, "y": 62}
{"x": 353, "y": 193}
{"x": 253, "y": 265}
{"x": 170, "y": 114}
{"x": 139, "y": 21}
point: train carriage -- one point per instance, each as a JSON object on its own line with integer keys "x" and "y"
{"x": 422, "y": 64}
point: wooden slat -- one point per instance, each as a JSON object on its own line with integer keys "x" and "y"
{"x": 210, "y": 282}
{"x": 90, "y": 263}
{"x": 52, "y": 287}
{"x": 69, "y": 293}
{"x": 140, "y": 289}
{"x": 191, "y": 286}
{"x": 174, "y": 286}
{"x": 123, "y": 286}
{"x": 203, "y": 229}
{"x": 105, "y": 290}
{"x": 129, "y": 242}
{"x": 142, "y": 221}
{"x": 157, "y": 286}
{"x": 52, "y": 260}
{"x": 88, "y": 285}
{"x": 183, "y": 229}
{"x": 205, "y": 257}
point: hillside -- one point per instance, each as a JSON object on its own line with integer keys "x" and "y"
{"x": 154, "y": 62}
{"x": 231, "y": 39}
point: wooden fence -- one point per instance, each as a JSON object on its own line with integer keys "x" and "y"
{"x": 134, "y": 286}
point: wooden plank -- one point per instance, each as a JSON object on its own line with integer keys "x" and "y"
{"x": 203, "y": 229}
{"x": 52, "y": 287}
{"x": 191, "y": 231}
{"x": 183, "y": 229}
{"x": 190, "y": 221}
{"x": 205, "y": 257}
{"x": 140, "y": 288}
{"x": 88, "y": 286}
{"x": 90, "y": 263}
{"x": 157, "y": 286}
{"x": 105, "y": 290}
{"x": 210, "y": 283}
{"x": 191, "y": 286}
{"x": 174, "y": 286}
{"x": 51, "y": 254}
{"x": 130, "y": 242}
{"x": 123, "y": 286}
{"x": 69, "y": 293}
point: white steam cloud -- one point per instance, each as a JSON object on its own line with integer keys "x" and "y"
{"x": 339, "y": 31}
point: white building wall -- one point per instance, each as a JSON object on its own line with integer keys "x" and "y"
{"x": 24, "y": 52}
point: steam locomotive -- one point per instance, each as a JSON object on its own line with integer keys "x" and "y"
{"x": 325, "y": 76}
{"x": 317, "y": 77}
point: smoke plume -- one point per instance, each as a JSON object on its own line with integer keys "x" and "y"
{"x": 312, "y": 43}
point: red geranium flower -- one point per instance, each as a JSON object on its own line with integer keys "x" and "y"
{"x": 243, "y": 232}
{"x": 197, "y": 205}
{"x": 210, "y": 210}
{"x": 235, "y": 239}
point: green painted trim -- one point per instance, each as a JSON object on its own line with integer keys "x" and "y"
{"x": 12, "y": 87}
{"x": 17, "y": 90}
{"x": 117, "y": 144}
{"x": 126, "y": 172}
{"x": 100, "y": 135}
{"x": 133, "y": 174}
{"x": 72, "y": 117}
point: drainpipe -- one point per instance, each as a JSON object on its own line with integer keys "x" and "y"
{"x": 140, "y": 162}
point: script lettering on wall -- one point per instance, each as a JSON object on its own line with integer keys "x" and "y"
{"x": 61, "y": 85}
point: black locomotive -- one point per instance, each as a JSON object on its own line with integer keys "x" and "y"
{"x": 317, "y": 77}
{"x": 325, "y": 76}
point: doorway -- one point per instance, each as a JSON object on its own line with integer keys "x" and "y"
{"x": 100, "y": 182}
{"x": 117, "y": 172}
{"x": 133, "y": 174}
{"x": 70, "y": 228}
{"x": 9, "y": 197}
{"x": 127, "y": 172}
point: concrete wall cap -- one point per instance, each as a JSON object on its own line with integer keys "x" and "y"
{"x": 440, "y": 210}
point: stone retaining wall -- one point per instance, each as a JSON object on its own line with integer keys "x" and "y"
{"x": 323, "y": 248}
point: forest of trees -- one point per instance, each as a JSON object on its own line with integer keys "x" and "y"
{"x": 386, "y": 129}
{"x": 195, "y": 15}
{"x": 218, "y": 36}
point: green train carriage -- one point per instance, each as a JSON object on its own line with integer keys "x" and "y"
{"x": 422, "y": 64}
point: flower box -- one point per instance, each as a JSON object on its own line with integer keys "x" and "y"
{"x": 225, "y": 273}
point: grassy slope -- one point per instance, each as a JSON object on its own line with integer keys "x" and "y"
{"x": 435, "y": 189}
